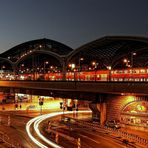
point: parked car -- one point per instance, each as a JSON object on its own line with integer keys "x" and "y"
{"x": 65, "y": 119}
{"x": 113, "y": 124}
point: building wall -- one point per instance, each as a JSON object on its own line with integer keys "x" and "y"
{"x": 115, "y": 104}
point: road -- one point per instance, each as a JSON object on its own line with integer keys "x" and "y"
{"x": 69, "y": 134}
{"x": 88, "y": 137}
{"x": 16, "y": 131}
{"x": 27, "y": 132}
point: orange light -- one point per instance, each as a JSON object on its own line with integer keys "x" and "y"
{"x": 109, "y": 67}
{"x": 46, "y": 62}
{"x": 125, "y": 60}
{"x": 93, "y": 63}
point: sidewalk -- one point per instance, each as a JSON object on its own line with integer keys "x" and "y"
{"x": 139, "y": 131}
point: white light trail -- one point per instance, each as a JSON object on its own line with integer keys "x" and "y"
{"x": 30, "y": 135}
{"x": 37, "y": 121}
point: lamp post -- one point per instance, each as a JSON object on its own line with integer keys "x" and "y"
{"x": 132, "y": 62}
{"x": 45, "y": 63}
{"x": 72, "y": 66}
{"x": 109, "y": 76}
{"x": 22, "y": 68}
{"x": 126, "y": 61}
{"x": 3, "y": 71}
{"x": 80, "y": 59}
{"x": 95, "y": 68}
{"x": 132, "y": 58}
{"x": 75, "y": 107}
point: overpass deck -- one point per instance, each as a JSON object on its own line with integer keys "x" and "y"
{"x": 80, "y": 86}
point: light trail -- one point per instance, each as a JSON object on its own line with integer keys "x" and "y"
{"x": 37, "y": 121}
{"x": 30, "y": 135}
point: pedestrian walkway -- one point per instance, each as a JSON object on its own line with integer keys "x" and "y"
{"x": 140, "y": 131}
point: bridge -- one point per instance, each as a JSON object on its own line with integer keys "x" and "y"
{"x": 134, "y": 88}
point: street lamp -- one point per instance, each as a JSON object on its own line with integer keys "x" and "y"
{"x": 80, "y": 59}
{"x": 45, "y": 63}
{"x": 72, "y": 66}
{"x": 132, "y": 58}
{"x": 22, "y": 68}
{"x": 132, "y": 62}
{"x": 109, "y": 76}
{"x": 126, "y": 61}
{"x": 95, "y": 68}
{"x": 75, "y": 107}
{"x": 3, "y": 67}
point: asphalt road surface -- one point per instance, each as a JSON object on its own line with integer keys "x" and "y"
{"x": 68, "y": 133}
{"x": 15, "y": 131}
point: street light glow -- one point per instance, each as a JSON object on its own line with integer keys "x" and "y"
{"x": 109, "y": 67}
{"x": 125, "y": 60}
{"x": 73, "y": 66}
{"x": 93, "y": 63}
{"x": 46, "y": 62}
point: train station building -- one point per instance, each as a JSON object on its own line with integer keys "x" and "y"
{"x": 107, "y": 59}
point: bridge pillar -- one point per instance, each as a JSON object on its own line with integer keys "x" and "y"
{"x": 98, "y": 112}
{"x": 103, "y": 113}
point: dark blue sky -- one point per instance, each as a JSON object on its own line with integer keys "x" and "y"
{"x": 72, "y": 22}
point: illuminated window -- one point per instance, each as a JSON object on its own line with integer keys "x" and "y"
{"x": 120, "y": 79}
{"x": 125, "y": 71}
{"x": 137, "y": 71}
{"x": 142, "y": 71}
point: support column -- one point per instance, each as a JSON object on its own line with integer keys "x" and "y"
{"x": 95, "y": 112}
{"x": 103, "y": 113}
{"x": 98, "y": 112}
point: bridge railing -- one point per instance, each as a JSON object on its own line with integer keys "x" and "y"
{"x": 129, "y": 136}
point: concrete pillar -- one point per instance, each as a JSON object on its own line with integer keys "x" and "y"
{"x": 95, "y": 112}
{"x": 103, "y": 113}
{"x": 98, "y": 112}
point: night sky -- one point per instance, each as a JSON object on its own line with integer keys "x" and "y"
{"x": 72, "y": 22}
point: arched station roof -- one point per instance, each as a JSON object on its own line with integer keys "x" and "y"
{"x": 110, "y": 51}
{"x": 106, "y": 51}
{"x": 46, "y": 45}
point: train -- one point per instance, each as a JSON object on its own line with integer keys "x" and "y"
{"x": 130, "y": 74}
